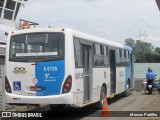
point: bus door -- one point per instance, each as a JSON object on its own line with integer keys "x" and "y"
{"x": 87, "y": 71}
{"x": 112, "y": 71}
{"x": 132, "y": 58}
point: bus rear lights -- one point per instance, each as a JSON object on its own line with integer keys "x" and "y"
{"x": 65, "y": 90}
{"x": 67, "y": 85}
{"x": 8, "y": 90}
{"x": 7, "y": 85}
{"x": 69, "y": 80}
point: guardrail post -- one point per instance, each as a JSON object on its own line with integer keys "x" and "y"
{"x": 2, "y": 84}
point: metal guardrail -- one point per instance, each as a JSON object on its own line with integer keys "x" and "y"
{"x": 3, "y": 105}
{"x": 2, "y": 100}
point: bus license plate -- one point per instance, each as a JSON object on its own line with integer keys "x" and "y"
{"x": 37, "y": 88}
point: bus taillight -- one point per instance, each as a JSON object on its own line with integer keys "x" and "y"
{"x": 67, "y": 85}
{"x": 7, "y": 85}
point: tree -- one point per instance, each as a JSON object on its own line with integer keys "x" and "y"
{"x": 144, "y": 51}
{"x": 130, "y": 42}
{"x": 157, "y": 50}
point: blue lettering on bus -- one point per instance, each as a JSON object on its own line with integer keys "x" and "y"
{"x": 50, "y": 77}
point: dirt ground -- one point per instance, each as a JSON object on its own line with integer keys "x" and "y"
{"x": 137, "y": 101}
{"x": 138, "y": 85}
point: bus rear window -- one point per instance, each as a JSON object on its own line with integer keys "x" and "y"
{"x": 39, "y": 45}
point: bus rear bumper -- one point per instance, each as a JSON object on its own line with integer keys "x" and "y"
{"x": 54, "y": 99}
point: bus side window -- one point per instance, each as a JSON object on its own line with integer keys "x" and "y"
{"x": 106, "y": 63}
{"x": 127, "y": 58}
{"x": 123, "y": 59}
{"x": 104, "y": 51}
{"x": 97, "y": 49}
{"x": 118, "y": 61}
{"x": 77, "y": 53}
{"x": 98, "y": 55}
{"x": 120, "y": 53}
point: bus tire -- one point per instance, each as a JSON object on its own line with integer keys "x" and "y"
{"x": 102, "y": 94}
{"x": 127, "y": 91}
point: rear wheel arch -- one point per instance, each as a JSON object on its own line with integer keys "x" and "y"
{"x": 103, "y": 92}
{"x": 129, "y": 82}
{"x": 127, "y": 91}
{"x": 105, "y": 86}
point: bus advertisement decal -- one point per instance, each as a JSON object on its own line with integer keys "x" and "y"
{"x": 50, "y": 76}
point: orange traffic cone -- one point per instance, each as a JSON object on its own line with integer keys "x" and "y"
{"x": 105, "y": 108}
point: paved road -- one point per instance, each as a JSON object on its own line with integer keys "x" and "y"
{"x": 137, "y": 101}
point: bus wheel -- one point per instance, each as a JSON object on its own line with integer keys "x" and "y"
{"x": 127, "y": 92}
{"x": 102, "y": 94}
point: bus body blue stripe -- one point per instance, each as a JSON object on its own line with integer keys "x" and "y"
{"x": 50, "y": 77}
{"x": 127, "y": 73}
{"x": 127, "y": 68}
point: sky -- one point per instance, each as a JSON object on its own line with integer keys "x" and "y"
{"x": 114, "y": 20}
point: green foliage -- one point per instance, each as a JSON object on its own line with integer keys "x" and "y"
{"x": 144, "y": 51}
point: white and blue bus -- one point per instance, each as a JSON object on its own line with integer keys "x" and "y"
{"x": 65, "y": 67}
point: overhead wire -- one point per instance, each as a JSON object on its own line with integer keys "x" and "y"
{"x": 136, "y": 25}
{"x": 101, "y": 11}
{"x": 126, "y": 3}
{"x": 141, "y": 21}
{"x": 142, "y": 25}
{"x": 125, "y": 23}
{"x": 116, "y": 15}
{"x": 123, "y": 13}
{"x": 106, "y": 15}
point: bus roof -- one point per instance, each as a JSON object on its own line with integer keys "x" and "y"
{"x": 75, "y": 34}
{"x": 127, "y": 47}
